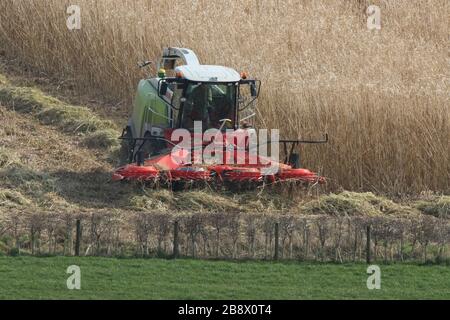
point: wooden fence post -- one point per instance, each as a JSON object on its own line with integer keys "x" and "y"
{"x": 32, "y": 240}
{"x": 277, "y": 241}
{"x": 176, "y": 246}
{"x": 368, "y": 254}
{"x": 78, "y": 238}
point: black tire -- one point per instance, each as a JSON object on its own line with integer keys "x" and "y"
{"x": 148, "y": 146}
{"x": 177, "y": 186}
{"x": 126, "y": 148}
{"x": 152, "y": 147}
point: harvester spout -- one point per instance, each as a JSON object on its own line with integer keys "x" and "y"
{"x": 171, "y": 55}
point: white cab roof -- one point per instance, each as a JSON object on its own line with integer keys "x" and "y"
{"x": 205, "y": 73}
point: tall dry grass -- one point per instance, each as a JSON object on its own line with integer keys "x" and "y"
{"x": 382, "y": 96}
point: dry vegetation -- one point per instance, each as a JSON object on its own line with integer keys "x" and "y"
{"x": 382, "y": 95}
{"x": 50, "y": 177}
{"x": 56, "y": 156}
{"x": 63, "y": 162}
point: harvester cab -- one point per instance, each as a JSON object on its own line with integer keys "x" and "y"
{"x": 196, "y": 99}
{"x": 213, "y": 95}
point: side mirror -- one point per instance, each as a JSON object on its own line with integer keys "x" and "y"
{"x": 163, "y": 88}
{"x": 143, "y": 64}
{"x": 253, "y": 90}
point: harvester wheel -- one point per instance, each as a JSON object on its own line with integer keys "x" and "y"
{"x": 178, "y": 185}
{"x": 148, "y": 146}
{"x": 126, "y": 148}
{"x": 152, "y": 147}
{"x": 294, "y": 160}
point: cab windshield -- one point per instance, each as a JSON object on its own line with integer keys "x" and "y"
{"x": 208, "y": 103}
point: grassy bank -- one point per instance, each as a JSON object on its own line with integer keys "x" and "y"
{"x": 101, "y": 278}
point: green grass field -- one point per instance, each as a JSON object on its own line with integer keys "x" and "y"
{"x": 105, "y": 278}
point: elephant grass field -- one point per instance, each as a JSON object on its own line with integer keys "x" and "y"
{"x": 382, "y": 95}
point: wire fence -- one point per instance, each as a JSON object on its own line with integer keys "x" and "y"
{"x": 227, "y": 236}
